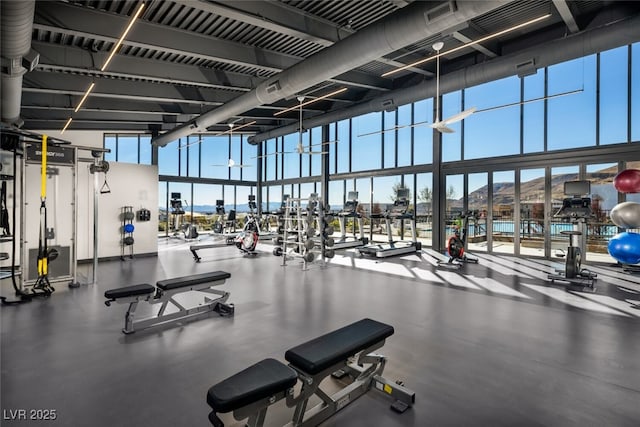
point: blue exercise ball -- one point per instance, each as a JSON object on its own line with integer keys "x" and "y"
{"x": 625, "y": 247}
{"x": 128, "y": 228}
{"x": 626, "y": 215}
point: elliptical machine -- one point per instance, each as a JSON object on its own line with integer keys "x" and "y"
{"x": 577, "y": 209}
{"x": 456, "y": 244}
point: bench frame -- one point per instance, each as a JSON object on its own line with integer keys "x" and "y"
{"x": 364, "y": 369}
{"x": 166, "y": 297}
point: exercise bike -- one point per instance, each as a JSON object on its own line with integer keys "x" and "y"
{"x": 456, "y": 245}
{"x": 578, "y": 210}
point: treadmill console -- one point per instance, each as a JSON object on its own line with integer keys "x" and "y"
{"x": 575, "y": 207}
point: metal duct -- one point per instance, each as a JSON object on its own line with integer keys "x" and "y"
{"x": 17, "y": 25}
{"x": 565, "y": 49}
{"x": 408, "y": 25}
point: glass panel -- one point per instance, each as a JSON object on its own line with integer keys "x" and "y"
{"x": 229, "y": 197}
{"x": 193, "y": 151}
{"x": 635, "y": 92}
{"x": 603, "y": 198}
{"x": 275, "y": 197}
{"x": 145, "y": 149}
{"x": 559, "y": 176}
{"x": 334, "y": 148}
{"x": 343, "y": 146}
{"x": 366, "y": 141}
{"x": 632, "y": 197}
{"x": 478, "y": 185}
{"x": 184, "y": 192}
{"x": 168, "y": 159}
{"x": 383, "y": 196}
{"x": 249, "y": 153}
{"x": 110, "y": 143}
{"x": 389, "y": 139}
{"x": 128, "y": 148}
{"x": 404, "y": 135}
{"x": 235, "y": 154}
{"x": 163, "y": 223}
{"x": 481, "y": 138}
{"x": 317, "y": 145}
{"x": 454, "y": 201}
{"x": 572, "y": 119}
{"x": 613, "y": 95}
{"x": 422, "y": 133}
{"x": 424, "y": 207}
{"x": 306, "y": 189}
{"x": 291, "y": 158}
{"x": 270, "y": 159}
{"x": 336, "y": 195}
{"x": 242, "y": 201}
{"x": 204, "y": 205}
{"x": 183, "y": 154}
{"x": 214, "y": 154}
{"x": 363, "y": 187}
{"x": 533, "y": 113}
{"x": 503, "y": 205}
{"x": 451, "y": 145}
{"x": 532, "y": 212}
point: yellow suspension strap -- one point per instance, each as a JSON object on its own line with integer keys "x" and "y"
{"x": 42, "y": 283}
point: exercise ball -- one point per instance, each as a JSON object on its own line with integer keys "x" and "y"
{"x": 627, "y": 181}
{"x": 625, "y": 247}
{"x": 626, "y": 215}
{"x": 128, "y": 228}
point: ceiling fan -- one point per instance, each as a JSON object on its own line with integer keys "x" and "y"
{"x": 300, "y": 149}
{"x": 231, "y": 163}
{"x": 442, "y": 126}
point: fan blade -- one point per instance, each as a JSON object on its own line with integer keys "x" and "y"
{"x": 460, "y": 116}
{"x": 441, "y": 127}
{"x": 323, "y": 143}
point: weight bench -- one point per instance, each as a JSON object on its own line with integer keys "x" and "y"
{"x": 163, "y": 293}
{"x": 344, "y": 352}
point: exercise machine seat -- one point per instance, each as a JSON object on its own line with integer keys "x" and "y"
{"x": 193, "y": 280}
{"x": 257, "y": 382}
{"x": 129, "y": 291}
{"x": 325, "y": 351}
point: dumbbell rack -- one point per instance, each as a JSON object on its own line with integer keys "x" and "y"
{"x": 127, "y": 216}
{"x": 300, "y": 227}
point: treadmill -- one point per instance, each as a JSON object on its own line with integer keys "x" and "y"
{"x": 350, "y": 211}
{"x": 399, "y": 211}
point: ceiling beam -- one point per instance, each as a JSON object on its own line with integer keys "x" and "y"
{"x": 77, "y": 21}
{"x": 565, "y": 12}
{"x": 477, "y": 46}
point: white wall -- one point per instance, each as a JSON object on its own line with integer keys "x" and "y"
{"x": 131, "y": 185}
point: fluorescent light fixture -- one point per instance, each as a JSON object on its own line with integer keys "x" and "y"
{"x": 66, "y": 125}
{"x": 219, "y": 134}
{"x": 84, "y": 97}
{"x": 311, "y": 101}
{"x": 480, "y": 40}
{"x": 126, "y": 31}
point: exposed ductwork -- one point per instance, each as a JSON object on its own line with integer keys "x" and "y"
{"x": 606, "y": 37}
{"x": 413, "y": 23}
{"x": 17, "y": 56}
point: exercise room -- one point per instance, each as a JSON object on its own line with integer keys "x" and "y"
{"x": 320, "y": 213}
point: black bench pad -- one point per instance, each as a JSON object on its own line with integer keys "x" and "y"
{"x": 258, "y": 381}
{"x": 323, "y": 352}
{"x": 129, "y": 291}
{"x": 196, "y": 279}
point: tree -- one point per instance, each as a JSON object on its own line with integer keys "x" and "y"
{"x": 398, "y": 186}
{"x": 451, "y": 193}
{"x": 425, "y": 195}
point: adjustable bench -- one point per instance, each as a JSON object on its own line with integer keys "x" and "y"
{"x": 343, "y": 352}
{"x": 163, "y": 293}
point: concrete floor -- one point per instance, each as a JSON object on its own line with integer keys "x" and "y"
{"x": 489, "y": 345}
